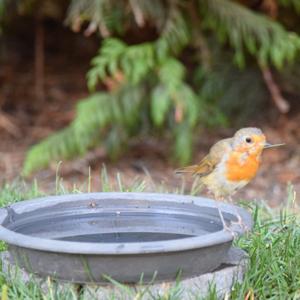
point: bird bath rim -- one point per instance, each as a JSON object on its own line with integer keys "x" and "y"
{"x": 70, "y": 247}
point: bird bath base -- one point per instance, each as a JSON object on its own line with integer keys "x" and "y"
{"x": 231, "y": 270}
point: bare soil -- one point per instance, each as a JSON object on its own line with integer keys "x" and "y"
{"x": 24, "y": 120}
{"x": 147, "y": 159}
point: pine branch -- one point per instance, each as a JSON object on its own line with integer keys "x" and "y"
{"x": 174, "y": 35}
{"x": 93, "y": 117}
{"x": 290, "y": 3}
{"x": 3, "y": 7}
{"x": 102, "y": 15}
{"x": 229, "y": 95}
{"x": 154, "y": 11}
{"x": 246, "y": 30}
{"x": 183, "y": 143}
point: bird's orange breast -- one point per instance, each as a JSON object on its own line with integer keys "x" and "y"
{"x": 239, "y": 168}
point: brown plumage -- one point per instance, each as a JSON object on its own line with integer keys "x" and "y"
{"x": 231, "y": 163}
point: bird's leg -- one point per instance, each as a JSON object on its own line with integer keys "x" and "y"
{"x": 225, "y": 226}
{"x": 239, "y": 218}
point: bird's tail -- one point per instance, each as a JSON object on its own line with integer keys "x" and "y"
{"x": 190, "y": 169}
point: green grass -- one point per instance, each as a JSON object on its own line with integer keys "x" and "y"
{"x": 274, "y": 269}
{"x": 273, "y": 247}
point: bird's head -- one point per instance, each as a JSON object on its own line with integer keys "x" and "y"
{"x": 251, "y": 140}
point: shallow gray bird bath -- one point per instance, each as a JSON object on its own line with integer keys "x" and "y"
{"x": 126, "y": 236}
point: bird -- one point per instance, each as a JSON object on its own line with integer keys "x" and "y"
{"x": 230, "y": 164}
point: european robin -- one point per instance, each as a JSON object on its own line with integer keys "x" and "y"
{"x": 231, "y": 163}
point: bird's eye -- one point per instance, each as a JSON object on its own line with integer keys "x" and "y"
{"x": 248, "y": 140}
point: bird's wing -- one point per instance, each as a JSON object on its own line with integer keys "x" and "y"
{"x": 209, "y": 162}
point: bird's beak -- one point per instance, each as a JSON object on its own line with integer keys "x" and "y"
{"x": 268, "y": 145}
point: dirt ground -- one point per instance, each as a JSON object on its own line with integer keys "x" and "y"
{"x": 25, "y": 121}
{"x": 147, "y": 159}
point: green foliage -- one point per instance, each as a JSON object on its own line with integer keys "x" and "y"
{"x": 112, "y": 16}
{"x": 237, "y": 93}
{"x": 3, "y": 4}
{"x": 104, "y": 16}
{"x": 160, "y": 104}
{"x": 183, "y": 143}
{"x": 18, "y": 191}
{"x": 2, "y": 12}
{"x": 247, "y": 30}
{"x": 91, "y": 127}
{"x": 273, "y": 272}
{"x": 175, "y": 81}
{"x": 290, "y": 3}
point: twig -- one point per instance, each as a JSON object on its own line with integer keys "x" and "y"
{"x": 137, "y": 12}
{"x": 39, "y": 61}
{"x": 7, "y": 123}
{"x": 199, "y": 40}
{"x": 271, "y": 9}
{"x": 281, "y": 103}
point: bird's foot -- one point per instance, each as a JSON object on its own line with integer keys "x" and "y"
{"x": 240, "y": 223}
{"x": 227, "y": 228}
